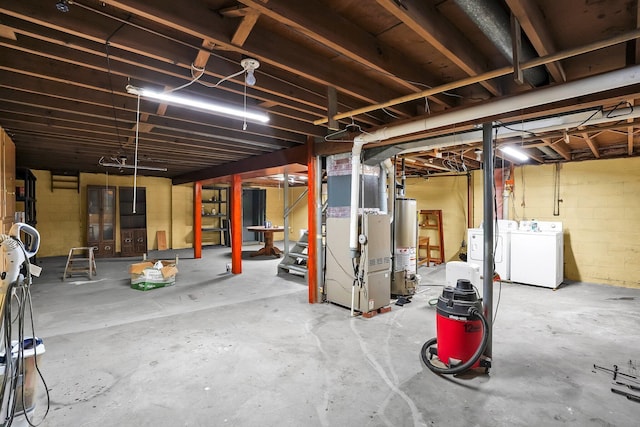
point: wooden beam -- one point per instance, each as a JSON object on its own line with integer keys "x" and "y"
{"x": 332, "y": 107}
{"x": 274, "y": 91}
{"x": 559, "y": 147}
{"x": 197, "y": 220}
{"x": 535, "y": 27}
{"x": 516, "y": 40}
{"x": 336, "y": 32}
{"x": 591, "y": 143}
{"x": 630, "y": 131}
{"x": 532, "y": 156}
{"x": 274, "y": 159}
{"x": 70, "y": 30}
{"x": 245, "y": 27}
{"x": 266, "y": 46}
{"x": 429, "y": 24}
{"x": 7, "y": 32}
{"x": 491, "y": 74}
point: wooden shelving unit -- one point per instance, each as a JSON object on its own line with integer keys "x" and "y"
{"x": 430, "y": 232}
{"x": 133, "y": 225}
{"x": 215, "y": 216}
{"x": 26, "y": 196}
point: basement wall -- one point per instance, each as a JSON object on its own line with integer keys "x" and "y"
{"x": 449, "y": 194}
{"x": 62, "y": 213}
{"x": 600, "y": 212}
{"x": 275, "y": 211}
{"x": 62, "y": 222}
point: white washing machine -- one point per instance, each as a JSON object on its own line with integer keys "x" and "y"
{"x": 502, "y": 244}
{"x": 537, "y": 254}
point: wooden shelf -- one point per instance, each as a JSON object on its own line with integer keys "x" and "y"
{"x": 431, "y": 236}
{"x": 213, "y": 224}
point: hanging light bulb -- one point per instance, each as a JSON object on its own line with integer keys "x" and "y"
{"x": 250, "y": 79}
{"x": 249, "y": 65}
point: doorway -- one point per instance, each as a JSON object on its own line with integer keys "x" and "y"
{"x": 254, "y": 206}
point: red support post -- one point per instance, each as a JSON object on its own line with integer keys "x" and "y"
{"x": 312, "y": 206}
{"x": 236, "y": 224}
{"x": 197, "y": 220}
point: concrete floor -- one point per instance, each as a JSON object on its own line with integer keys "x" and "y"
{"x": 248, "y": 350}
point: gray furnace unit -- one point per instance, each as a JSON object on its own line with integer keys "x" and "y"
{"x": 373, "y": 291}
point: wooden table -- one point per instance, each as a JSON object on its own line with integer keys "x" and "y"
{"x": 268, "y": 248}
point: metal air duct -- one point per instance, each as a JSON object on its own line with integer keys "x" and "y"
{"x": 494, "y": 22}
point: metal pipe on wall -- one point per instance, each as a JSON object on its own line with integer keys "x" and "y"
{"x": 602, "y": 82}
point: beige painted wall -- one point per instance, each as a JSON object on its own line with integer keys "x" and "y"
{"x": 61, "y": 213}
{"x": 275, "y": 210}
{"x": 600, "y": 213}
{"x": 182, "y": 218}
{"x": 448, "y": 194}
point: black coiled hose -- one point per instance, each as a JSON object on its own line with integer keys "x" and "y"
{"x": 473, "y": 311}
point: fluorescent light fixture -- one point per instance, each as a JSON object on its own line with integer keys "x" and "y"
{"x": 171, "y": 98}
{"x": 121, "y": 164}
{"x": 512, "y": 152}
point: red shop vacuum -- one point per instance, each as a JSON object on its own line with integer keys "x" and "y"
{"x": 462, "y": 331}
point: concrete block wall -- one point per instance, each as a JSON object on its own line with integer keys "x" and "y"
{"x": 275, "y": 211}
{"x": 182, "y": 217}
{"x": 448, "y": 194}
{"x": 61, "y": 214}
{"x": 600, "y": 212}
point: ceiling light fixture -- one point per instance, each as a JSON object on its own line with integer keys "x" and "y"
{"x": 172, "y": 98}
{"x": 250, "y": 65}
{"x": 63, "y": 5}
{"x": 513, "y": 153}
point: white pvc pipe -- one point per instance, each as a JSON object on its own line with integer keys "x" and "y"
{"x": 612, "y": 80}
{"x": 355, "y": 195}
{"x": 391, "y": 176}
{"x": 505, "y": 204}
{"x": 382, "y": 189}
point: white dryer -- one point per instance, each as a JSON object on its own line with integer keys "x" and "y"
{"x": 502, "y": 247}
{"x": 537, "y": 254}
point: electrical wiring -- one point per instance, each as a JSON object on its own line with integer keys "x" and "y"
{"x": 354, "y": 128}
{"x": 209, "y": 85}
{"x": 14, "y": 354}
{"x": 626, "y": 104}
{"x": 599, "y": 110}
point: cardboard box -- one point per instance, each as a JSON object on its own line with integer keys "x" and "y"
{"x": 149, "y": 275}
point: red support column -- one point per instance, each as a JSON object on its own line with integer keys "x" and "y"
{"x": 312, "y": 206}
{"x": 236, "y": 224}
{"x": 197, "y": 220}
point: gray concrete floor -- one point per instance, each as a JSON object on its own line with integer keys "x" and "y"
{"x": 245, "y": 350}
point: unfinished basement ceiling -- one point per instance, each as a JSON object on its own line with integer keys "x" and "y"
{"x": 63, "y": 77}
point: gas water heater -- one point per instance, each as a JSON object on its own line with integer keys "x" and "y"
{"x": 405, "y": 234}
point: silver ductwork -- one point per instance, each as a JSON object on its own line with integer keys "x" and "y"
{"x": 495, "y": 23}
{"x": 549, "y": 152}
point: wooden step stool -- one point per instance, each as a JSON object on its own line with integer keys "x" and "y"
{"x": 85, "y": 262}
